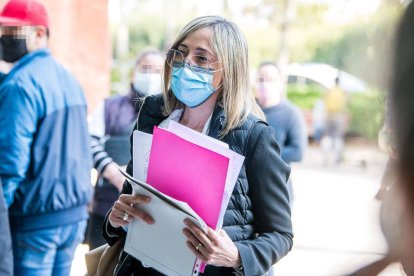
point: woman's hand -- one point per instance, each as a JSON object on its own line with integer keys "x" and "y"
{"x": 215, "y": 248}
{"x": 126, "y": 208}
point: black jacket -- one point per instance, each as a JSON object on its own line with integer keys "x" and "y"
{"x": 258, "y": 215}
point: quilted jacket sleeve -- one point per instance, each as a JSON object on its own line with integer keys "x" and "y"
{"x": 267, "y": 176}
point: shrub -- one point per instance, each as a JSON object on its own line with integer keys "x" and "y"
{"x": 366, "y": 110}
{"x": 304, "y": 96}
{"x": 367, "y": 113}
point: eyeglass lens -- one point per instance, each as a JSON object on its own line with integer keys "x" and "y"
{"x": 176, "y": 59}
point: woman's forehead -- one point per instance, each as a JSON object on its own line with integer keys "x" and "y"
{"x": 200, "y": 39}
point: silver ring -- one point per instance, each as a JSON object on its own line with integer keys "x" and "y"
{"x": 198, "y": 246}
{"x": 126, "y": 216}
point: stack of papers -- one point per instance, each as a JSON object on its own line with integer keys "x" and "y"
{"x": 188, "y": 175}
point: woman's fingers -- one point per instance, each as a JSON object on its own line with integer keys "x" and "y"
{"x": 192, "y": 239}
{"x": 116, "y": 218}
{"x": 134, "y": 199}
{"x": 196, "y": 252}
{"x": 199, "y": 236}
{"x": 131, "y": 211}
{"x": 126, "y": 205}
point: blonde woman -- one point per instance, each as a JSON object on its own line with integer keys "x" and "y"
{"x": 206, "y": 88}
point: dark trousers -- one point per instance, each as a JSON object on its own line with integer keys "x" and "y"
{"x": 94, "y": 237}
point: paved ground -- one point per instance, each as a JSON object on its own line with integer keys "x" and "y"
{"x": 335, "y": 215}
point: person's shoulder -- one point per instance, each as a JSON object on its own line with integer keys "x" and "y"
{"x": 152, "y": 101}
{"x": 286, "y": 103}
{"x": 251, "y": 124}
{"x": 115, "y": 98}
{"x": 151, "y": 105}
{"x": 14, "y": 85}
{"x": 291, "y": 107}
{"x": 156, "y": 99}
{"x": 253, "y": 120}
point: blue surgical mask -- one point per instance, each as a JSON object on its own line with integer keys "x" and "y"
{"x": 192, "y": 88}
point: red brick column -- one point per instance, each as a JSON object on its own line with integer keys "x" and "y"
{"x": 80, "y": 41}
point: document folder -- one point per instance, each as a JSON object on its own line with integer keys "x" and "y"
{"x": 162, "y": 245}
{"x": 187, "y": 175}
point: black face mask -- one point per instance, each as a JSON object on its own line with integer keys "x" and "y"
{"x": 13, "y": 48}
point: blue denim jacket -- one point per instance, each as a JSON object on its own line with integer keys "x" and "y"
{"x": 44, "y": 144}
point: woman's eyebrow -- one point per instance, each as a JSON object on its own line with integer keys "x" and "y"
{"x": 182, "y": 45}
{"x": 200, "y": 49}
{"x": 205, "y": 51}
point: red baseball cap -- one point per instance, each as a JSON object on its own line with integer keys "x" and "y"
{"x": 23, "y": 13}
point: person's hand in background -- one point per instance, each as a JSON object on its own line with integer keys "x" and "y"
{"x": 114, "y": 176}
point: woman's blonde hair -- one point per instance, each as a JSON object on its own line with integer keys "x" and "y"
{"x": 230, "y": 47}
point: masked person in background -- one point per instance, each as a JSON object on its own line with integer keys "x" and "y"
{"x": 110, "y": 127}
{"x": 44, "y": 146}
{"x": 6, "y": 255}
{"x": 283, "y": 116}
{"x": 207, "y": 88}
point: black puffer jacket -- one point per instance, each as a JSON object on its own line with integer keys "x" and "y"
{"x": 258, "y": 215}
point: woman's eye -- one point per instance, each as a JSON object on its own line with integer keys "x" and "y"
{"x": 202, "y": 59}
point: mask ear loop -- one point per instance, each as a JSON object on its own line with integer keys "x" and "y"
{"x": 214, "y": 71}
{"x": 218, "y": 87}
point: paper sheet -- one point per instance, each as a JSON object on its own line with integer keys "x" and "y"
{"x": 166, "y": 252}
{"x": 141, "y": 142}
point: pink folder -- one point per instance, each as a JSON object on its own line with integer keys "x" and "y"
{"x": 189, "y": 173}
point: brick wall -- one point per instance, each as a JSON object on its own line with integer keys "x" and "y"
{"x": 80, "y": 41}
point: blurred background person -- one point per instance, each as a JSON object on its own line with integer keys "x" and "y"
{"x": 318, "y": 120}
{"x": 44, "y": 146}
{"x": 283, "y": 116}
{"x": 6, "y": 254}
{"x": 335, "y": 102}
{"x": 387, "y": 145}
{"x": 402, "y": 120}
{"x": 397, "y": 212}
{"x": 110, "y": 127}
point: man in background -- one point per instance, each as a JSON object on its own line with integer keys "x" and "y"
{"x": 45, "y": 155}
{"x": 282, "y": 115}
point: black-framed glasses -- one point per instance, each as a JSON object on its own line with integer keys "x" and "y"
{"x": 199, "y": 63}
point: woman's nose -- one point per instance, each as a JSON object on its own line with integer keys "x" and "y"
{"x": 188, "y": 61}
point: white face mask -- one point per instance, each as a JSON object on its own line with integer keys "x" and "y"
{"x": 147, "y": 83}
{"x": 267, "y": 91}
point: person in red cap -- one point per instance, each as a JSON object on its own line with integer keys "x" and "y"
{"x": 44, "y": 146}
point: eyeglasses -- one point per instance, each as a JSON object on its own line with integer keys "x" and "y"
{"x": 176, "y": 59}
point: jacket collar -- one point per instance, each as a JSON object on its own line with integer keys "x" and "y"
{"x": 153, "y": 107}
{"x": 217, "y": 122}
{"x": 28, "y": 58}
